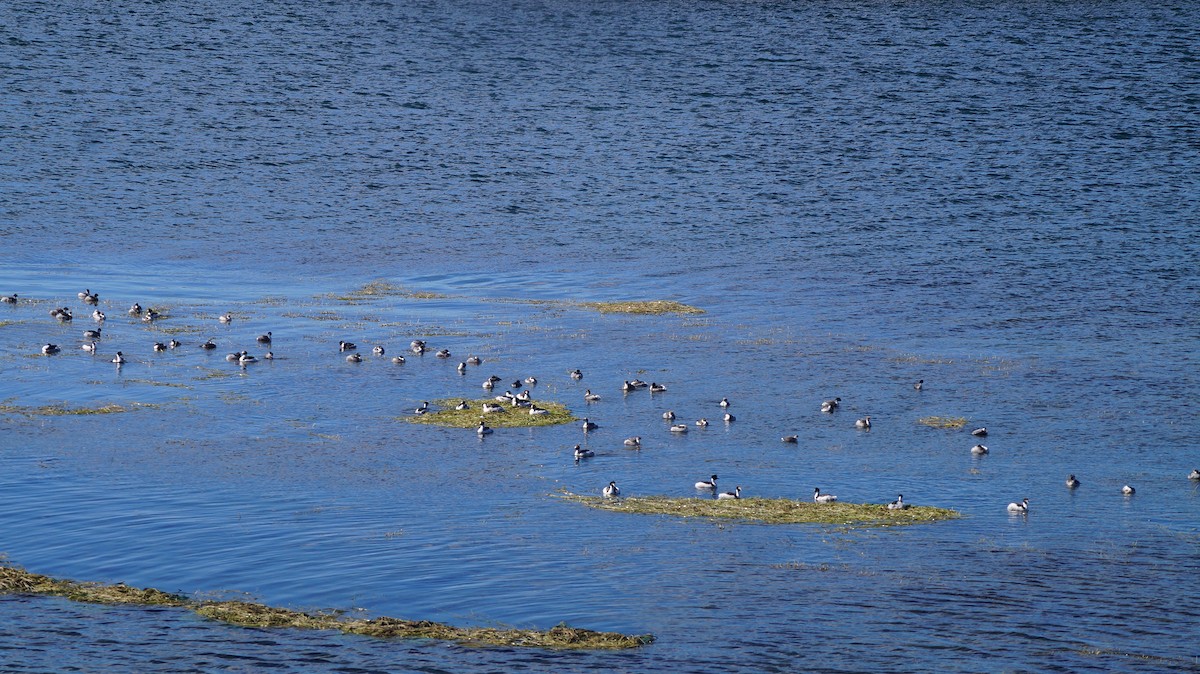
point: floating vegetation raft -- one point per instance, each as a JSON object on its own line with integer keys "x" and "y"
{"x": 384, "y": 289}
{"x": 642, "y": 307}
{"x": 768, "y": 510}
{"x": 444, "y": 414}
{"x": 62, "y": 410}
{"x": 943, "y": 422}
{"x": 247, "y": 614}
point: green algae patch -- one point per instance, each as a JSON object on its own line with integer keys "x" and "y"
{"x": 943, "y": 422}
{"x": 382, "y": 288}
{"x": 248, "y": 614}
{"x": 649, "y": 307}
{"x": 62, "y": 410}
{"x": 768, "y": 510}
{"x": 5, "y": 324}
{"x": 444, "y": 414}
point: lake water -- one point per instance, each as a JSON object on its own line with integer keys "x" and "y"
{"x": 999, "y": 200}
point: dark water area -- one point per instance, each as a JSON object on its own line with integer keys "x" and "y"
{"x": 999, "y": 200}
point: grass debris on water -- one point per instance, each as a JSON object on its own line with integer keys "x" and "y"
{"x": 444, "y": 414}
{"x": 943, "y": 422}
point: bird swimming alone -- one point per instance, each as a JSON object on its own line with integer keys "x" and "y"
{"x": 1127, "y": 490}
{"x": 119, "y": 358}
{"x": 657, "y": 388}
{"x": 791, "y": 438}
{"x": 174, "y": 344}
{"x": 919, "y": 385}
{"x": 979, "y": 450}
{"x": 225, "y": 317}
{"x": 979, "y": 432}
{"x": 346, "y": 346}
{"x": 378, "y": 350}
{"x": 612, "y": 490}
{"x": 474, "y": 360}
{"x": 679, "y": 428}
{"x": 1072, "y": 482}
{"x": 830, "y": 405}
{"x": 669, "y": 415}
{"x": 635, "y": 441}
{"x": 590, "y": 397}
{"x": 818, "y": 497}
{"x": 864, "y": 422}
{"x": 588, "y": 425}
{"x": 702, "y": 422}
{"x": 707, "y": 484}
{"x": 1195, "y": 474}
{"x": 264, "y": 339}
{"x": 399, "y": 360}
{"x": 482, "y": 429}
{"x": 50, "y": 348}
{"x": 1021, "y": 507}
{"x": 735, "y": 494}
{"x": 576, "y": 374}
{"x": 729, "y": 418}
{"x": 354, "y": 358}
{"x": 581, "y": 453}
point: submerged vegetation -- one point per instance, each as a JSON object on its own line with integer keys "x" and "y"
{"x": 768, "y": 510}
{"x": 382, "y": 288}
{"x": 943, "y": 422}
{"x": 61, "y": 409}
{"x": 642, "y": 307}
{"x": 247, "y": 614}
{"x": 444, "y": 414}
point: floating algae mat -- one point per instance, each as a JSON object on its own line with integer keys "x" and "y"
{"x": 642, "y": 307}
{"x": 943, "y": 422}
{"x": 768, "y": 510}
{"x": 62, "y": 409}
{"x": 444, "y": 414}
{"x": 246, "y": 614}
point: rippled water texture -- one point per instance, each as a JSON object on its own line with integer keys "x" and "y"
{"x": 1001, "y": 201}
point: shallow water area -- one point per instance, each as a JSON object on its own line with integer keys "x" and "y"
{"x": 997, "y": 201}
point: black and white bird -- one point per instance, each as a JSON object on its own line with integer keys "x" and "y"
{"x": 710, "y": 483}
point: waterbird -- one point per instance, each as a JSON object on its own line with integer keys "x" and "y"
{"x": 516, "y": 384}
{"x": 590, "y": 397}
{"x": 247, "y": 358}
{"x": 898, "y": 504}
{"x": 12, "y": 299}
{"x": 979, "y": 432}
{"x": 612, "y": 490}
{"x": 346, "y": 346}
{"x": 830, "y": 405}
{"x": 729, "y": 418}
{"x": 635, "y": 441}
{"x": 979, "y": 450}
{"x": 119, "y": 358}
{"x": 524, "y": 396}
{"x": 422, "y": 408}
{"x": 1021, "y": 507}
{"x": 399, "y": 360}
{"x": 354, "y": 358}
{"x": 150, "y": 316}
{"x": 1127, "y": 490}
{"x": 474, "y": 360}
{"x": 444, "y": 353}
{"x": 657, "y": 388}
{"x": 98, "y": 316}
{"x": 270, "y": 355}
{"x": 735, "y": 494}
{"x": 724, "y": 402}
{"x": 86, "y": 292}
{"x": 491, "y": 408}
{"x": 233, "y": 356}
{"x": 135, "y": 309}
{"x": 532, "y": 381}
{"x": 1195, "y": 474}
{"x": 679, "y": 428}
{"x": 919, "y": 385}
{"x": 174, "y": 344}
{"x": 462, "y": 368}
{"x": 482, "y": 429}
{"x": 264, "y": 339}
{"x": 225, "y": 317}
{"x": 90, "y": 347}
{"x": 864, "y": 422}
{"x": 208, "y": 345}
{"x": 91, "y": 298}
{"x": 581, "y": 453}
{"x": 159, "y": 346}
{"x": 818, "y": 497}
{"x": 1072, "y": 482}
{"x": 50, "y": 348}
{"x": 535, "y": 410}
{"x": 378, "y": 350}
{"x": 63, "y": 314}
{"x": 791, "y": 438}
{"x": 575, "y": 374}
{"x": 707, "y": 484}
{"x": 588, "y": 425}
{"x": 462, "y": 406}
{"x": 92, "y": 334}
{"x": 417, "y": 344}
{"x": 702, "y": 422}
{"x": 669, "y": 415}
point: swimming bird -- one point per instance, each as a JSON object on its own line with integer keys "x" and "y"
{"x": 532, "y": 381}
{"x": 581, "y": 453}
{"x": 482, "y": 429}
{"x": 422, "y": 408}
{"x": 225, "y": 317}
{"x": 588, "y": 425}
{"x": 247, "y": 358}
{"x": 669, "y": 415}
{"x": 399, "y": 360}
{"x": 90, "y": 347}
{"x": 91, "y": 298}
{"x": 474, "y": 360}
{"x": 354, "y": 358}
{"x": 264, "y": 339}
{"x": 462, "y": 406}
{"x": 50, "y": 348}
{"x": 417, "y": 345}
{"x": 898, "y": 504}
{"x": 724, "y": 402}
{"x": 12, "y": 299}
{"x": 635, "y": 441}
{"x": 979, "y": 450}
{"x": 864, "y": 422}
{"x": 702, "y": 422}
{"x": 135, "y": 309}
{"x": 1127, "y": 490}
{"x": 92, "y": 334}
{"x": 378, "y": 350}
{"x": 791, "y": 438}
{"x": 1021, "y": 507}
{"x": 85, "y": 293}
{"x": 919, "y": 385}
{"x": 159, "y": 347}
{"x": 657, "y": 388}
{"x": 516, "y": 384}
{"x": 679, "y": 428}
{"x": 735, "y": 494}
{"x": 1195, "y": 474}
{"x": 150, "y": 316}
{"x": 830, "y": 405}
{"x": 590, "y": 397}
{"x": 119, "y": 358}
{"x": 270, "y": 355}
{"x": 576, "y": 374}
{"x": 638, "y": 383}
{"x": 233, "y": 356}
{"x": 63, "y": 314}
{"x": 707, "y": 484}
{"x": 462, "y": 368}
{"x": 818, "y": 497}
{"x": 612, "y": 490}
{"x": 979, "y": 432}
{"x": 208, "y": 345}
{"x": 98, "y": 316}
{"x": 444, "y": 353}
{"x": 626, "y": 386}
{"x": 1072, "y": 482}
{"x": 174, "y": 344}
{"x": 346, "y": 346}
{"x": 729, "y": 418}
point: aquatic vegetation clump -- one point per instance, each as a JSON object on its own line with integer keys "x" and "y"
{"x": 444, "y": 414}
{"x": 62, "y": 410}
{"x": 943, "y": 422}
{"x": 768, "y": 510}
{"x": 381, "y": 288}
{"x": 14, "y": 580}
{"x": 646, "y": 307}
